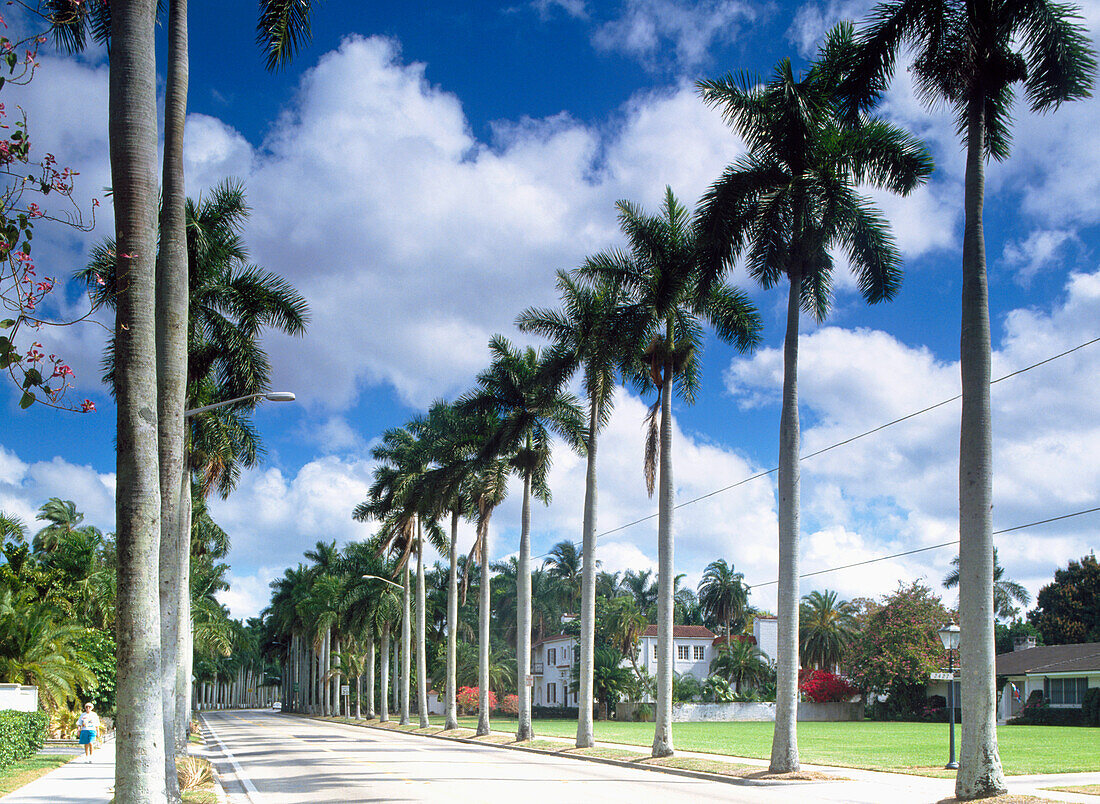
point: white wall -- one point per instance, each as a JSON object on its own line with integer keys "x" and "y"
{"x": 18, "y": 697}
{"x": 766, "y": 632}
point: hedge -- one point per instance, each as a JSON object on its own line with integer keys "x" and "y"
{"x": 1090, "y": 705}
{"x": 21, "y": 735}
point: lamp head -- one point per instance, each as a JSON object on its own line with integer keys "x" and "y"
{"x": 949, "y": 636}
{"x": 279, "y": 396}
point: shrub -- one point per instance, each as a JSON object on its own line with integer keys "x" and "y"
{"x": 821, "y": 686}
{"x": 1090, "y": 706}
{"x": 21, "y": 735}
{"x": 566, "y": 712}
{"x": 642, "y": 712}
{"x": 467, "y": 699}
{"x": 193, "y": 772}
{"x": 510, "y": 705}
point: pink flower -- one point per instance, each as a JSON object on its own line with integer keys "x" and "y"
{"x": 88, "y": 406}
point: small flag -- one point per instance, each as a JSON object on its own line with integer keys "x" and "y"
{"x": 1015, "y": 692}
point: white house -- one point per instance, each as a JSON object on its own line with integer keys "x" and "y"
{"x": 766, "y": 632}
{"x": 552, "y": 661}
{"x": 1061, "y": 672}
{"x": 552, "y": 668}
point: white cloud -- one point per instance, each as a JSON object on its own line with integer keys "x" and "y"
{"x": 1038, "y": 251}
{"x": 897, "y": 490}
{"x": 813, "y": 20}
{"x": 25, "y": 486}
{"x": 645, "y": 29}
{"x": 573, "y": 8}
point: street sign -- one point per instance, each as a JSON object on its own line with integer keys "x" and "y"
{"x": 942, "y": 676}
{"x": 345, "y": 689}
{"x": 530, "y": 680}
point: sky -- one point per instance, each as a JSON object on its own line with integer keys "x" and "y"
{"x": 421, "y": 170}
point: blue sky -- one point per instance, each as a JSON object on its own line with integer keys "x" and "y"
{"x": 421, "y": 170}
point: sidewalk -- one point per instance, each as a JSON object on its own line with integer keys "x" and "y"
{"x": 77, "y": 781}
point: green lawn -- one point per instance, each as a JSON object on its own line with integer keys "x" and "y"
{"x": 27, "y": 770}
{"x": 867, "y": 744}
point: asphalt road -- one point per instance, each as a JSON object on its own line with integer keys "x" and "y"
{"x": 272, "y": 758}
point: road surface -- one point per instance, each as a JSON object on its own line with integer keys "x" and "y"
{"x": 271, "y": 758}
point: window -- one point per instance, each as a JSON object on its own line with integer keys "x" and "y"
{"x": 682, "y": 652}
{"x": 551, "y": 693}
{"x": 551, "y": 655}
{"x": 699, "y": 652}
{"x": 1067, "y": 691}
{"x": 565, "y": 654}
{"x": 654, "y": 651}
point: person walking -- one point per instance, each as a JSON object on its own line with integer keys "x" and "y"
{"x": 87, "y": 730}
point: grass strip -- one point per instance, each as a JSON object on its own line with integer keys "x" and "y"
{"x": 27, "y": 770}
{"x": 1086, "y": 789}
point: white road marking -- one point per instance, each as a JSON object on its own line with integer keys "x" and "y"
{"x": 251, "y": 793}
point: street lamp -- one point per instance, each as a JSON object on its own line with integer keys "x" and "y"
{"x": 385, "y": 580}
{"x": 949, "y": 636}
{"x": 273, "y": 396}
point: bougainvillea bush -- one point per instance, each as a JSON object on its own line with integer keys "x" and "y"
{"x": 821, "y": 686}
{"x": 466, "y": 698}
{"x": 510, "y": 705}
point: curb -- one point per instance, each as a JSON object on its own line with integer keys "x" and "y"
{"x": 691, "y": 774}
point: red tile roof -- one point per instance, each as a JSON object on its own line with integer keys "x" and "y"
{"x": 554, "y": 638}
{"x": 682, "y": 632}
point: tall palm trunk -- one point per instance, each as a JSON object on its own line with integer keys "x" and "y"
{"x": 451, "y": 721}
{"x": 139, "y": 772}
{"x": 662, "y": 732}
{"x": 384, "y": 667}
{"x": 421, "y": 638}
{"x": 980, "y": 772}
{"x": 370, "y": 678}
{"x": 585, "y": 737}
{"x": 523, "y": 612}
{"x": 785, "y": 738}
{"x": 406, "y": 645}
{"x": 186, "y": 635}
{"x": 483, "y": 638}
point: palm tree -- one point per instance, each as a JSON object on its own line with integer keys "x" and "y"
{"x": 663, "y": 307}
{"x": 826, "y": 629}
{"x": 62, "y": 520}
{"x": 523, "y": 390}
{"x": 625, "y": 624}
{"x": 564, "y": 565}
{"x": 788, "y": 201}
{"x": 968, "y": 57}
{"x": 584, "y": 332}
{"x": 723, "y": 595}
{"x": 740, "y": 662}
{"x": 1004, "y": 590}
{"x": 640, "y": 586}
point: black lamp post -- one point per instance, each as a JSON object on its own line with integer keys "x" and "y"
{"x": 949, "y": 636}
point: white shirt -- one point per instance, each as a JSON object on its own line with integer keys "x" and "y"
{"x": 89, "y": 721}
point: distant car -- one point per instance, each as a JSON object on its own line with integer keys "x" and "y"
{"x": 277, "y": 707}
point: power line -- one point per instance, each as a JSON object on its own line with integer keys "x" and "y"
{"x": 846, "y": 441}
{"x": 931, "y": 547}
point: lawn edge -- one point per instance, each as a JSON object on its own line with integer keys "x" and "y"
{"x": 691, "y": 774}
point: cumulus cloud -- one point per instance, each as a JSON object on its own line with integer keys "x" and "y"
{"x": 26, "y": 485}
{"x": 897, "y": 490}
{"x": 812, "y": 21}
{"x": 647, "y": 29}
{"x": 1038, "y": 251}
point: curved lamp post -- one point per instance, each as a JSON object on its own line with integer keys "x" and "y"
{"x": 385, "y": 580}
{"x": 273, "y": 396}
{"x": 949, "y": 636}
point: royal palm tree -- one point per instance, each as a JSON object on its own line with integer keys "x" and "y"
{"x": 968, "y": 56}
{"x": 723, "y": 596}
{"x": 1005, "y": 590}
{"x": 664, "y": 307}
{"x": 826, "y": 628}
{"x": 586, "y": 333}
{"x": 522, "y": 389}
{"x": 564, "y": 565}
{"x": 785, "y": 204}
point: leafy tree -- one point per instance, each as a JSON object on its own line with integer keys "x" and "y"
{"x": 740, "y": 662}
{"x": 1007, "y": 635}
{"x": 788, "y": 203}
{"x": 968, "y": 55}
{"x": 1067, "y": 610}
{"x": 899, "y": 646}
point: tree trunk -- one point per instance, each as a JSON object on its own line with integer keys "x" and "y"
{"x": 421, "y": 637}
{"x": 370, "y": 677}
{"x": 451, "y": 721}
{"x": 483, "y": 638}
{"x": 186, "y": 633}
{"x": 784, "y": 757}
{"x": 662, "y": 732}
{"x": 585, "y": 737}
{"x": 523, "y": 612}
{"x": 359, "y": 697}
{"x": 384, "y": 666}
{"x": 406, "y": 648}
{"x": 980, "y": 774}
{"x": 132, "y": 114}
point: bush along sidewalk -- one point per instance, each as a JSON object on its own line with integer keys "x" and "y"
{"x": 21, "y": 735}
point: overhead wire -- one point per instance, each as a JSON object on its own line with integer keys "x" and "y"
{"x": 849, "y": 440}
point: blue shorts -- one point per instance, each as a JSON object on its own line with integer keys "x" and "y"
{"x": 87, "y": 736}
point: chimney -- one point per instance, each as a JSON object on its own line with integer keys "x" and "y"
{"x": 1023, "y": 643}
